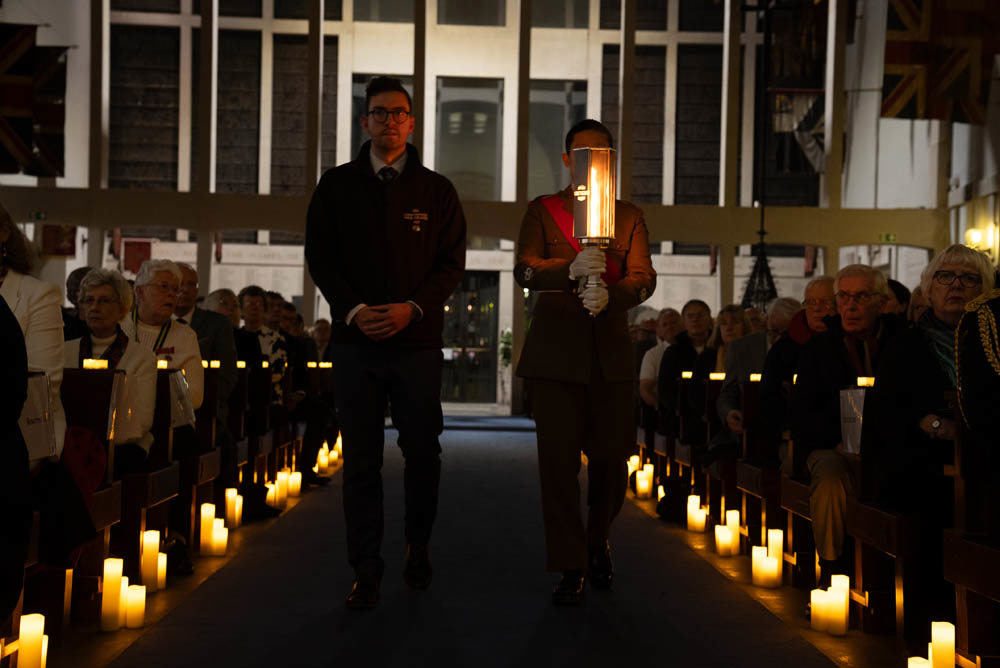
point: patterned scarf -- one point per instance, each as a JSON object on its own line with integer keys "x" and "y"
{"x": 941, "y": 338}
{"x": 113, "y": 353}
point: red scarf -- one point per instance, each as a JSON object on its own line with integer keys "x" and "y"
{"x": 564, "y": 219}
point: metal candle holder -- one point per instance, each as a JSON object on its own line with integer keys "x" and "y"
{"x": 594, "y": 199}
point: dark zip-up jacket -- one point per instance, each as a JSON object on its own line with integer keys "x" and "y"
{"x": 375, "y": 243}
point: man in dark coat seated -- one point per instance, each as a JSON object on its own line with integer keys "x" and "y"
{"x": 690, "y": 352}
{"x": 832, "y": 361}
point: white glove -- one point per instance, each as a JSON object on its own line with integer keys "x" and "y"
{"x": 595, "y": 298}
{"x": 588, "y": 261}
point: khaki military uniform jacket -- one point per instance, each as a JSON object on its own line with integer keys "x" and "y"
{"x": 564, "y": 339}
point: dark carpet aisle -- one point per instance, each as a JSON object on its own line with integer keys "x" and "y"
{"x": 280, "y": 602}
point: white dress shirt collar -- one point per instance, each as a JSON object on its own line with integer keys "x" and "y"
{"x": 377, "y": 163}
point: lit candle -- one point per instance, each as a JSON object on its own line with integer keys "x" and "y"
{"x": 917, "y": 662}
{"x": 282, "y": 495}
{"x": 324, "y": 462}
{"x": 840, "y": 582}
{"x": 866, "y": 381}
{"x": 643, "y": 484}
{"x": 757, "y": 554}
{"x": 123, "y": 603}
{"x": 311, "y": 365}
{"x": 239, "y": 510}
{"x": 161, "y": 570}
{"x": 694, "y": 503}
{"x": 45, "y": 650}
{"x": 161, "y": 364}
{"x": 733, "y": 522}
{"x": 647, "y": 468}
{"x": 755, "y": 377}
{"x": 817, "y": 609}
{"x": 687, "y": 375}
{"x": 775, "y": 543}
{"x": 148, "y": 560}
{"x": 334, "y": 458}
{"x": 633, "y": 464}
{"x": 270, "y": 494}
{"x": 339, "y": 446}
{"x": 660, "y": 493}
{"x": 942, "y": 645}
{"x": 699, "y": 520}
{"x": 95, "y": 364}
{"x": 220, "y": 539}
{"x": 716, "y": 376}
{"x": 723, "y": 540}
{"x": 205, "y": 535}
{"x": 326, "y": 365}
{"x": 215, "y": 364}
{"x": 770, "y": 572}
{"x": 241, "y": 364}
{"x": 136, "y": 615}
{"x": 231, "y": 507}
{"x": 111, "y": 589}
{"x": 29, "y": 650}
{"x": 837, "y": 610}
{"x": 294, "y": 484}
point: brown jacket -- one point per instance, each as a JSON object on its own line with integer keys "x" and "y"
{"x": 561, "y": 341}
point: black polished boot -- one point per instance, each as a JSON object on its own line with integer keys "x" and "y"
{"x": 569, "y": 591}
{"x": 601, "y": 569}
{"x": 364, "y": 594}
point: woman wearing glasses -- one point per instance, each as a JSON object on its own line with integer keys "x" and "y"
{"x": 909, "y": 424}
{"x": 105, "y": 298}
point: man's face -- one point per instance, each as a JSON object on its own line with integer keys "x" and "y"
{"x": 819, "y": 303}
{"x": 388, "y": 136}
{"x": 892, "y": 305}
{"x": 777, "y": 324}
{"x": 585, "y": 139}
{"x": 668, "y": 326}
{"x": 697, "y": 321}
{"x": 321, "y": 332}
{"x": 274, "y": 312}
{"x": 158, "y": 298}
{"x": 858, "y": 304}
{"x": 189, "y": 291}
{"x": 288, "y": 320}
{"x": 253, "y": 311}
{"x": 229, "y": 307}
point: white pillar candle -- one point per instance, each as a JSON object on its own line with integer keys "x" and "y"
{"x": 148, "y": 565}
{"x": 698, "y": 520}
{"x": 123, "y": 603}
{"x": 771, "y": 572}
{"x": 643, "y": 484}
{"x": 270, "y": 494}
{"x": 775, "y": 543}
{"x": 723, "y": 540}
{"x": 917, "y": 662}
{"x": 110, "y": 594}
{"x": 231, "y": 507}
{"x": 324, "y": 462}
{"x": 29, "y": 649}
{"x": 633, "y": 464}
{"x": 334, "y": 458}
{"x": 207, "y": 521}
{"x": 220, "y": 536}
{"x": 647, "y": 468}
{"x": 733, "y": 522}
{"x": 136, "y": 615}
{"x": 840, "y": 582}
{"x": 239, "y": 510}
{"x": 45, "y": 650}
{"x": 817, "y": 609}
{"x": 161, "y": 570}
{"x": 282, "y": 494}
{"x": 660, "y": 493}
{"x": 294, "y": 484}
{"x": 837, "y": 610}
{"x": 757, "y": 554}
{"x": 694, "y": 503}
{"x": 942, "y": 645}
{"x": 339, "y": 446}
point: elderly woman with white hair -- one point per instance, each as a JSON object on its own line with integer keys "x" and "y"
{"x": 909, "y": 425}
{"x": 104, "y": 299}
{"x": 151, "y": 323}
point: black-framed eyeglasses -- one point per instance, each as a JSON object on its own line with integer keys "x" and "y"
{"x": 968, "y": 280}
{"x": 398, "y": 114}
{"x": 99, "y": 301}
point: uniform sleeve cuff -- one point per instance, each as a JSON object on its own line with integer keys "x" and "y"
{"x": 353, "y": 312}
{"x": 420, "y": 311}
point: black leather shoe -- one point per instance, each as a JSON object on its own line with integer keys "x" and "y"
{"x": 310, "y": 478}
{"x": 569, "y": 591}
{"x": 602, "y": 571}
{"x": 364, "y": 594}
{"x": 417, "y": 573}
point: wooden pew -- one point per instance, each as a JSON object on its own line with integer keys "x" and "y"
{"x": 720, "y": 475}
{"x": 258, "y": 423}
{"x": 758, "y": 476}
{"x": 800, "y": 547}
{"x": 236, "y": 419}
{"x": 199, "y": 470}
{"x": 685, "y": 453}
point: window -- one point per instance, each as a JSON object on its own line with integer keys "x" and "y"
{"x": 144, "y": 102}
{"x": 479, "y": 13}
{"x": 358, "y": 85}
{"x": 163, "y": 6}
{"x": 470, "y": 135}
{"x": 560, "y": 14}
{"x": 555, "y": 107}
{"x": 699, "y": 104}
{"x": 299, "y": 9}
{"x": 247, "y": 8}
{"x": 391, "y": 11}
{"x": 701, "y": 15}
{"x": 649, "y": 14}
{"x": 238, "y": 110}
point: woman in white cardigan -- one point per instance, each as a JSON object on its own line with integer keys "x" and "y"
{"x": 104, "y": 299}
{"x": 37, "y": 307}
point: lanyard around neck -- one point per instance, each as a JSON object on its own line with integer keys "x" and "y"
{"x": 161, "y": 338}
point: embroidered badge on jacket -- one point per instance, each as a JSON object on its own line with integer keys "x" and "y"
{"x": 416, "y": 219}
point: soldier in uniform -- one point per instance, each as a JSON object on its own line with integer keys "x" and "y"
{"x": 579, "y": 362}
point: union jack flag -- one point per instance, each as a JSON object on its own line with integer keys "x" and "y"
{"x": 32, "y": 103}
{"x": 938, "y": 58}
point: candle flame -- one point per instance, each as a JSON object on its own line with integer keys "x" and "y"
{"x": 716, "y": 376}
{"x": 95, "y": 364}
{"x": 755, "y": 377}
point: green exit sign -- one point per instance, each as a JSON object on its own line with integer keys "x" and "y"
{"x": 37, "y": 215}
{"x": 887, "y": 237}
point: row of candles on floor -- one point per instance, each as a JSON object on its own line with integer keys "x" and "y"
{"x": 327, "y": 460}
{"x": 940, "y": 650}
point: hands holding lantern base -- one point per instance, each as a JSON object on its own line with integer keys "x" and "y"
{"x": 587, "y": 267}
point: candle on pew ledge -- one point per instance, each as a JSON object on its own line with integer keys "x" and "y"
{"x": 148, "y": 560}
{"x": 295, "y": 484}
{"x": 717, "y": 375}
{"x": 757, "y": 554}
{"x": 282, "y": 495}
{"x": 161, "y": 570}
{"x": 231, "y": 507}
{"x": 123, "y": 603}
{"x": 135, "y": 617}
{"x": 205, "y": 533}
{"x": 311, "y": 365}
{"x": 241, "y": 364}
{"x": 161, "y": 364}
{"x": 111, "y": 590}
{"x": 687, "y": 375}
{"x": 239, "y": 510}
{"x": 942, "y": 645}
{"x": 30, "y": 652}
{"x": 817, "y": 609}
{"x": 755, "y": 377}
{"x": 95, "y": 364}
{"x": 326, "y": 365}
{"x": 866, "y": 381}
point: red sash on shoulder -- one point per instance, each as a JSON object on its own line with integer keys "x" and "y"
{"x": 564, "y": 220}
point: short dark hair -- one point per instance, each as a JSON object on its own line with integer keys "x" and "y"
{"x": 584, "y": 126}
{"x": 696, "y": 302}
{"x": 251, "y": 291}
{"x": 271, "y": 294}
{"x": 289, "y": 306}
{"x": 380, "y": 85}
{"x": 901, "y": 291}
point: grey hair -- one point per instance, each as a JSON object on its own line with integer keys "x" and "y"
{"x": 958, "y": 254}
{"x": 185, "y": 265}
{"x": 819, "y": 280}
{"x": 150, "y": 268}
{"x": 96, "y": 278}
{"x": 784, "y": 307}
{"x": 665, "y": 311}
{"x": 879, "y": 282}
{"x": 215, "y": 296}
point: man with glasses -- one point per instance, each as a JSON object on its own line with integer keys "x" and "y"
{"x": 385, "y": 242}
{"x": 832, "y": 361}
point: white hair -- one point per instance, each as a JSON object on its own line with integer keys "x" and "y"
{"x": 975, "y": 260}
{"x": 784, "y": 308}
{"x": 879, "y": 282}
{"x": 215, "y": 296}
{"x": 819, "y": 280}
{"x": 150, "y": 268}
{"x": 185, "y": 265}
{"x": 96, "y": 278}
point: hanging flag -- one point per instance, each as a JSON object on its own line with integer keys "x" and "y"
{"x": 938, "y": 59}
